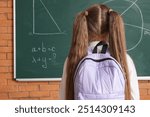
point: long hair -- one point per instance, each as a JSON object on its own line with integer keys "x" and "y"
{"x": 117, "y": 47}
{"x": 96, "y": 20}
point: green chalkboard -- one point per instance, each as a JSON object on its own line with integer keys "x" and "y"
{"x": 43, "y": 30}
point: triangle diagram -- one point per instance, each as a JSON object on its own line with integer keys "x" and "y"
{"x": 43, "y": 21}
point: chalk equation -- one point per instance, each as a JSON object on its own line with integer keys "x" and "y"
{"x": 43, "y": 56}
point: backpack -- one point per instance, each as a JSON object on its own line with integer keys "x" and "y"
{"x": 99, "y": 76}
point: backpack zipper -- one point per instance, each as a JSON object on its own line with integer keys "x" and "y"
{"x": 98, "y": 60}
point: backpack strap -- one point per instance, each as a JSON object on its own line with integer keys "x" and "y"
{"x": 104, "y": 47}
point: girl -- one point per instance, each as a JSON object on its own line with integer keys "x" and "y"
{"x": 98, "y": 23}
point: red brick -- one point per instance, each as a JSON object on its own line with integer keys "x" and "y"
{"x": 18, "y": 94}
{"x": 143, "y": 81}
{"x": 9, "y": 56}
{"x": 10, "y": 69}
{"x": 29, "y": 98}
{"x": 2, "y": 56}
{"x": 38, "y": 83}
{"x": 54, "y": 94}
{"x": 4, "y": 69}
{"x": 10, "y": 3}
{"x": 13, "y": 98}
{"x": 3, "y": 96}
{"x": 143, "y": 91}
{"x": 144, "y": 85}
{"x": 3, "y": 3}
{"x": 3, "y": 16}
{"x": 5, "y": 23}
{"x": 6, "y": 36}
{"x": 6, "y": 49}
{"x": 6, "y": 10}
{"x": 10, "y": 30}
{"x": 6, "y": 62}
{"x": 39, "y": 93}
{"x": 3, "y": 30}
{"x": 10, "y": 43}
{"x": 47, "y": 98}
{"x": 49, "y": 87}
{"x": 54, "y": 82}
{"x": 9, "y": 16}
{"x": 29, "y": 88}
{"x": 6, "y": 75}
{"x": 7, "y": 88}
{"x": 3, "y": 81}
{"x": 145, "y": 97}
{"x": 14, "y": 82}
{"x": 148, "y": 92}
{"x": 3, "y": 43}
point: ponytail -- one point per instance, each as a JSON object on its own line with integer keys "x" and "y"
{"x": 118, "y": 46}
{"x": 77, "y": 51}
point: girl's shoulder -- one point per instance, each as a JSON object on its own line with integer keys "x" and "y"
{"x": 129, "y": 59}
{"x": 131, "y": 65}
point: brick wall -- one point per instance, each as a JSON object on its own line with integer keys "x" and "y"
{"x": 144, "y": 90}
{"x": 9, "y": 88}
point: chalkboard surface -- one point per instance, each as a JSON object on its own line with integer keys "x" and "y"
{"x": 43, "y": 30}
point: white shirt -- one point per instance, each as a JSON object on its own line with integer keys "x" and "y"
{"x": 132, "y": 77}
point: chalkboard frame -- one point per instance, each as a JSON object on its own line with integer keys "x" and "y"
{"x": 38, "y": 79}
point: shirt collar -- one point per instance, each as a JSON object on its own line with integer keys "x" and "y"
{"x": 92, "y": 45}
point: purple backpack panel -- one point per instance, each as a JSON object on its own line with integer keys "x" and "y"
{"x": 99, "y": 77}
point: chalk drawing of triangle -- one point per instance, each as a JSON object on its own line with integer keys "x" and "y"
{"x": 43, "y": 21}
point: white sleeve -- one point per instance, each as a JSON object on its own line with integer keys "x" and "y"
{"x": 63, "y": 82}
{"x": 133, "y": 79}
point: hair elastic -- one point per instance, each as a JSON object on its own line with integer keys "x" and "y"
{"x": 86, "y": 13}
{"x": 110, "y": 10}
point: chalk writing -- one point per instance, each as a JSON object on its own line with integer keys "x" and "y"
{"x": 43, "y": 56}
{"x": 46, "y": 10}
{"x": 43, "y": 49}
{"x": 147, "y": 33}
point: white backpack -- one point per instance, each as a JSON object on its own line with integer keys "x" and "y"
{"x": 98, "y": 77}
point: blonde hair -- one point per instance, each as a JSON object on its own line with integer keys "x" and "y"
{"x": 96, "y": 20}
